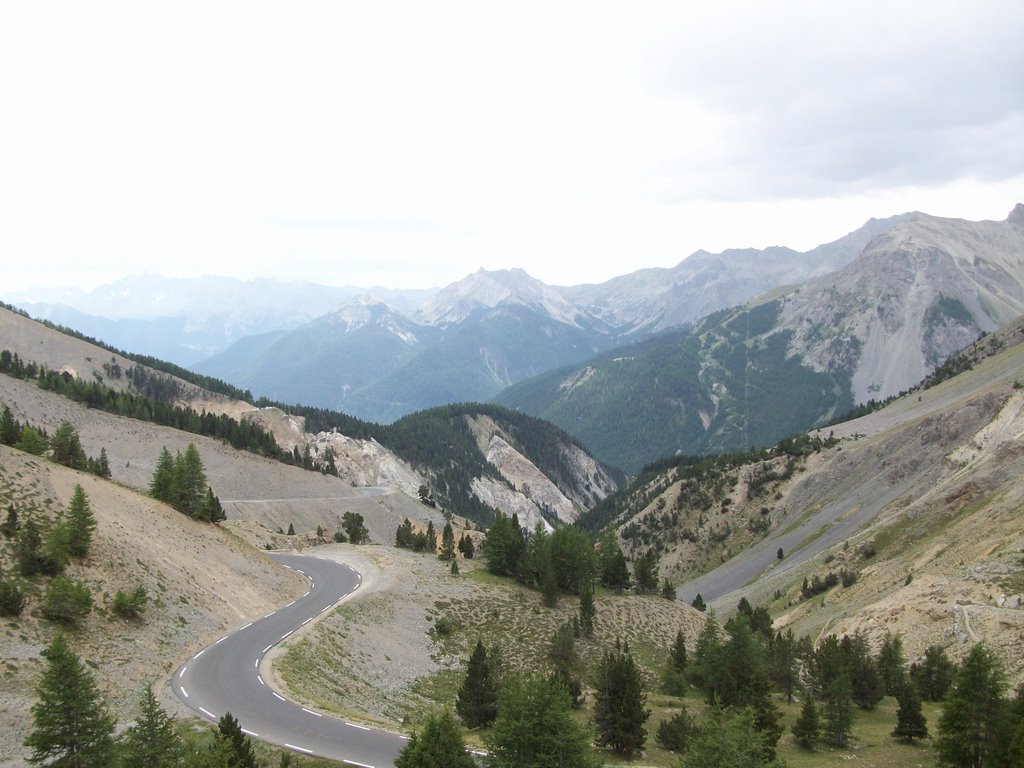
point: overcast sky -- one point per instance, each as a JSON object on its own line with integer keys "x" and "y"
{"x": 407, "y": 144}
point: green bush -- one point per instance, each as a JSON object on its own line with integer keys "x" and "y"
{"x": 66, "y": 601}
{"x": 12, "y": 601}
{"x": 131, "y": 605}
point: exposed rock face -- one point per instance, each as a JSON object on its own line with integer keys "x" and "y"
{"x": 917, "y": 294}
{"x": 366, "y": 463}
{"x": 508, "y": 501}
{"x": 529, "y": 480}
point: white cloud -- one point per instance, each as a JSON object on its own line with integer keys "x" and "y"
{"x": 409, "y": 143}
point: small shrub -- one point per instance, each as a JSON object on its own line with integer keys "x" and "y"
{"x": 130, "y": 605}
{"x": 12, "y": 601}
{"x": 340, "y": 537}
{"x": 66, "y": 601}
{"x": 443, "y": 626}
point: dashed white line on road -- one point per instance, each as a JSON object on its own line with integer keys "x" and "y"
{"x": 299, "y": 749}
{"x": 278, "y": 695}
{"x": 358, "y": 765}
{"x": 269, "y": 614}
{"x": 208, "y": 713}
{"x": 257, "y": 664}
{"x": 221, "y": 640}
{"x": 246, "y": 626}
{"x": 182, "y": 673}
{"x": 267, "y": 648}
{"x": 184, "y": 692}
{"x": 360, "y": 727}
{"x": 254, "y": 735}
{"x": 286, "y": 634}
{"x": 260, "y": 678}
{"x": 325, "y": 608}
{"x": 311, "y": 712}
{"x": 307, "y": 621}
{"x": 199, "y": 654}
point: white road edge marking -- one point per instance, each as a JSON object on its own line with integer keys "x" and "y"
{"x": 358, "y": 765}
{"x": 221, "y": 640}
{"x": 360, "y": 727}
{"x": 257, "y": 664}
{"x": 260, "y": 678}
{"x": 307, "y": 621}
{"x": 267, "y": 648}
{"x": 278, "y": 695}
{"x": 299, "y": 749}
{"x": 182, "y": 673}
{"x": 254, "y": 735}
{"x": 208, "y": 713}
{"x": 199, "y": 654}
{"x": 184, "y": 692}
{"x": 246, "y": 626}
{"x": 311, "y": 712}
{"x": 285, "y": 635}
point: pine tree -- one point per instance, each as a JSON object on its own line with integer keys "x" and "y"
{"x": 211, "y": 510}
{"x": 535, "y": 728}
{"x": 477, "y": 701}
{"x": 152, "y": 742}
{"x": 706, "y": 653}
{"x": 191, "y": 480}
{"x": 66, "y": 601}
{"x": 241, "y": 747}
{"x": 103, "y": 464}
{"x": 466, "y": 546}
{"x": 698, "y": 603}
{"x": 864, "y": 677}
{"x": 291, "y": 529}
{"x": 910, "y": 721}
{"x": 619, "y": 713}
{"x": 80, "y": 524}
{"x": 66, "y": 446}
{"x": 32, "y": 441}
{"x": 566, "y": 662}
{"x": 12, "y": 601}
{"x": 404, "y": 535}
{"x": 726, "y": 740}
{"x": 933, "y": 677}
{"x": 587, "y": 610}
{"x": 974, "y": 717}
{"x": 807, "y": 728}
{"x": 674, "y": 734}
{"x": 10, "y": 429}
{"x": 438, "y": 744}
{"x": 164, "y": 485}
{"x": 674, "y": 679}
{"x": 839, "y": 712}
{"x": 28, "y": 549}
{"x": 431, "y": 537}
{"x": 447, "y": 543}
{"x": 646, "y": 572}
{"x": 71, "y": 727}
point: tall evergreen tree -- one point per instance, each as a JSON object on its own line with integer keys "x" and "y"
{"x": 535, "y": 728}
{"x": 71, "y": 727}
{"x": 164, "y": 484}
{"x": 191, "y": 477}
{"x": 864, "y": 678}
{"x": 674, "y": 679}
{"x": 210, "y": 510}
{"x": 566, "y": 662}
{"x": 437, "y": 744}
{"x": 103, "y": 464}
{"x": 910, "y": 720}
{"x": 466, "y": 546}
{"x": 892, "y": 666}
{"x": 447, "y": 543}
{"x": 67, "y": 447}
{"x": 807, "y": 728}
{"x": 838, "y": 711}
{"x": 646, "y": 572}
{"x": 9, "y": 527}
{"x": 588, "y": 611}
{"x": 934, "y": 675}
{"x": 706, "y": 653}
{"x": 477, "y": 701}
{"x": 10, "y": 428}
{"x": 80, "y": 523}
{"x": 619, "y": 705}
{"x": 242, "y": 755}
{"x": 152, "y": 742}
{"x": 971, "y": 728}
{"x": 28, "y": 548}
{"x": 431, "y": 537}
{"x": 674, "y": 734}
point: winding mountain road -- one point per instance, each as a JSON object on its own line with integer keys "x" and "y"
{"x": 226, "y": 677}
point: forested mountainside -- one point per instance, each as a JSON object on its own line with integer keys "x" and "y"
{"x": 879, "y": 514}
{"x": 795, "y": 358}
{"x": 473, "y": 459}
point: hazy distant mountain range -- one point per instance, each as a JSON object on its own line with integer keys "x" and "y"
{"x": 862, "y": 317}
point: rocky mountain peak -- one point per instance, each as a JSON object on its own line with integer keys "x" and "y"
{"x": 1017, "y": 215}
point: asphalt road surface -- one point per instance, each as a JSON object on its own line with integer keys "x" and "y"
{"x": 225, "y": 677}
